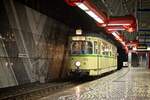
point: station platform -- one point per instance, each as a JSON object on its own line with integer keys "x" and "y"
{"x": 125, "y": 84}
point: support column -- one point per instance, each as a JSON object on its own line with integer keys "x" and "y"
{"x": 149, "y": 60}
{"x": 129, "y": 58}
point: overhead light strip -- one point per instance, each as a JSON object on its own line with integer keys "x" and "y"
{"x": 123, "y": 43}
{"x": 115, "y": 29}
{"x": 90, "y": 12}
{"x": 115, "y": 35}
{"x": 82, "y": 6}
{"x": 94, "y": 16}
{"x": 118, "y": 24}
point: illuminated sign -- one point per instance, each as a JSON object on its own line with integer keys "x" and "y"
{"x": 78, "y": 32}
{"x": 78, "y": 38}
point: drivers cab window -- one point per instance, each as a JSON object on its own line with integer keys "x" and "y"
{"x": 81, "y": 47}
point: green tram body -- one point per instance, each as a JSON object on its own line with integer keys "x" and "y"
{"x": 91, "y": 55}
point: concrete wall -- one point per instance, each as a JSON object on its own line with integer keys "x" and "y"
{"x": 32, "y": 45}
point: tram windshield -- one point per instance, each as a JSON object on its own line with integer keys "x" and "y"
{"x": 81, "y": 47}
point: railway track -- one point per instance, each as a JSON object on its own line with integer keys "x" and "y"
{"x": 36, "y": 92}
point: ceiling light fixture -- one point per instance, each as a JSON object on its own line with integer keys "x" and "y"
{"x": 82, "y": 6}
{"x": 117, "y": 24}
{"x": 90, "y": 9}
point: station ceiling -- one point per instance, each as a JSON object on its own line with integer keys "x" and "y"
{"x": 76, "y": 18}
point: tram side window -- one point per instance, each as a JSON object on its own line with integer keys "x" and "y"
{"x": 81, "y": 47}
{"x": 89, "y": 47}
{"x": 103, "y": 50}
{"x": 99, "y": 48}
{"x": 107, "y": 51}
{"x": 113, "y": 52}
{"x": 95, "y": 47}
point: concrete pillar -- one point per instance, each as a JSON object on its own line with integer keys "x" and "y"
{"x": 149, "y": 60}
{"x": 129, "y": 58}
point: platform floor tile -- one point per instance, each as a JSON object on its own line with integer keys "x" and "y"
{"x": 125, "y": 84}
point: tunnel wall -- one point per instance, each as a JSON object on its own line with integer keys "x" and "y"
{"x": 32, "y": 45}
{"x": 135, "y": 60}
{"x": 122, "y": 57}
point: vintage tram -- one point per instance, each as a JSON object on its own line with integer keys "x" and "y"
{"x": 91, "y": 55}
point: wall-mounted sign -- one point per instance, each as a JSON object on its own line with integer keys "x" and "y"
{"x": 22, "y": 55}
{"x": 142, "y": 46}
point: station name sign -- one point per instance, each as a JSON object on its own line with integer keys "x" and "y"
{"x": 143, "y": 46}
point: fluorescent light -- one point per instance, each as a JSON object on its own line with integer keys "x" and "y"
{"x": 94, "y": 16}
{"x": 123, "y": 43}
{"x": 99, "y": 20}
{"x": 116, "y": 29}
{"x": 82, "y": 6}
{"x": 91, "y": 14}
{"x": 115, "y": 34}
{"x": 117, "y": 24}
{"x": 103, "y": 25}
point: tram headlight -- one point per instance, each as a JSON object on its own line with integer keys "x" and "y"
{"x": 77, "y": 63}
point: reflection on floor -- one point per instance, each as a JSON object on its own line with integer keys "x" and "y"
{"x": 126, "y": 84}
